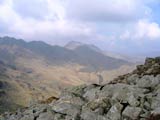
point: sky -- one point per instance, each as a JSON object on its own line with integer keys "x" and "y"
{"x": 124, "y": 26}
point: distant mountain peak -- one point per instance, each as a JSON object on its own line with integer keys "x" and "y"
{"x": 87, "y": 55}
{"x": 73, "y": 45}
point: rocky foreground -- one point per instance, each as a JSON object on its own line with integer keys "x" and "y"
{"x": 135, "y": 96}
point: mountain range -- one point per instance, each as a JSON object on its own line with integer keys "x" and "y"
{"x": 130, "y": 58}
{"x": 86, "y": 55}
{"x": 33, "y": 71}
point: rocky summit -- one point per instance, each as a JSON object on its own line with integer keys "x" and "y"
{"x": 134, "y": 96}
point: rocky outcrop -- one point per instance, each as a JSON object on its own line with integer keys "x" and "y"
{"x": 135, "y": 96}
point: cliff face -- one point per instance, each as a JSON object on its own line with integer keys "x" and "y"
{"x": 135, "y": 96}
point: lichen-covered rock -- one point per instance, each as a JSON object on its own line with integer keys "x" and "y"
{"x": 59, "y": 116}
{"x": 123, "y": 93}
{"x": 91, "y": 116}
{"x": 78, "y": 90}
{"x": 151, "y": 67}
{"x": 148, "y": 81}
{"x": 103, "y": 103}
{"x": 70, "y": 98}
{"x": 46, "y": 116}
{"x": 155, "y": 103}
{"x": 155, "y": 114}
{"x": 156, "y": 111}
{"x": 26, "y": 117}
{"x": 92, "y": 94}
{"x": 132, "y": 80}
{"x": 132, "y": 113}
{"x": 115, "y": 112}
{"x": 67, "y": 109}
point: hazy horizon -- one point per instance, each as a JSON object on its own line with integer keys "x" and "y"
{"x": 129, "y": 27}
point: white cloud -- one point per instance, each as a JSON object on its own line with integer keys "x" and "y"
{"x": 142, "y": 30}
{"x": 94, "y": 21}
{"x": 49, "y": 28}
{"x": 147, "y": 29}
{"x": 36, "y": 8}
{"x": 106, "y": 10}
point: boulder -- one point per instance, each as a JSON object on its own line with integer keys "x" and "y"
{"x": 67, "y": 109}
{"x": 148, "y": 81}
{"x": 70, "y": 98}
{"x": 99, "y": 106}
{"x": 78, "y": 90}
{"x": 132, "y": 113}
{"x": 92, "y": 116}
{"x": 46, "y": 116}
{"x": 132, "y": 79}
{"x": 92, "y": 94}
{"x": 123, "y": 93}
{"x": 115, "y": 112}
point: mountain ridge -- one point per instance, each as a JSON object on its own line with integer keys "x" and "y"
{"x": 72, "y": 45}
{"x": 61, "y": 55}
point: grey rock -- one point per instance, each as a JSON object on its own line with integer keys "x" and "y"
{"x": 132, "y": 112}
{"x": 92, "y": 94}
{"x": 77, "y": 90}
{"x": 88, "y": 116}
{"x": 103, "y": 103}
{"x": 155, "y": 102}
{"x": 145, "y": 115}
{"x": 59, "y": 117}
{"x": 148, "y": 81}
{"x": 89, "y": 87}
{"x": 123, "y": 93}
{"x": 71, "y": 98}
{"x": 156, "y": 111}
{"x": 132, "y": 79}
{"x": 92, "y": 116}
{"x": 115, "y": 112}
{"x": 46, "y": 116}
{"x": 28, "y": 117}
{"x": 66, "y": 109}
